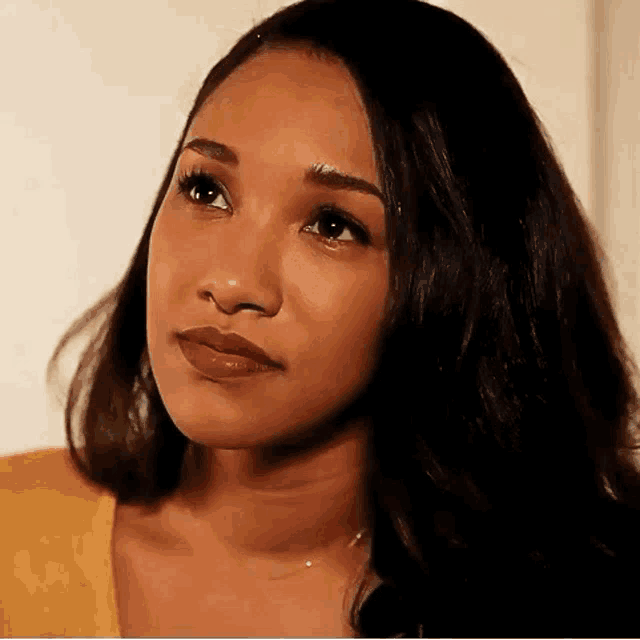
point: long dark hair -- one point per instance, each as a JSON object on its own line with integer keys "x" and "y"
{"x": 504, "y": 404}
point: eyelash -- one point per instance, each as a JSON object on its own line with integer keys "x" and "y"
{"x": 189, "y": 180}
{"x": 198, "y": 178}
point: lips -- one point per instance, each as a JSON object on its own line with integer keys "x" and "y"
{"x": 222, "y": 355}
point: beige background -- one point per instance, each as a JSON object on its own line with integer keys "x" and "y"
{"x": 94, "y": 96}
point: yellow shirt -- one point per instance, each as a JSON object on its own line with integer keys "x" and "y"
{"x": 56, "y": 576}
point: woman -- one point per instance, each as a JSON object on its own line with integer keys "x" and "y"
{"x": 362, "y": 377}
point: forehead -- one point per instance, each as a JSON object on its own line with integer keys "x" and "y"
{"x": 294, "y": 105}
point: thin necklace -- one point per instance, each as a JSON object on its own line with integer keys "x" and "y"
{"x": 278, "y": 574}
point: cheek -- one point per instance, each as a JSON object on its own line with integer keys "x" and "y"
{"x": 171, "y": 247}
{"x": 329, "y": 285}
{"x": 361, "y": 322}
{"x": 158, "y": 277}
{"x": 160, "y": 266}
{"x": 165, "y": 258}
{"x": 160, "y": 253}
{"x": 160, "y": 269}
{"x": 342, "y": 308}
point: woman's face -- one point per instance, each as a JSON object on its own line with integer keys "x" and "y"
{"x": 250, "y": 240}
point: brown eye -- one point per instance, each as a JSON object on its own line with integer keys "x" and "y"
{"x": 201, "y": 188}
{"x": 335, "y": 227}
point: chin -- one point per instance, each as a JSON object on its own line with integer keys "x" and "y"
{"x": 238, "y": 432}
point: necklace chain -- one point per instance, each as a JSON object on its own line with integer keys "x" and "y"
{"x": 309, "y": 563}
{"x": 355, "y": 541}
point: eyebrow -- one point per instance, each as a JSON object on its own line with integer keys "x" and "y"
{"x": 318, "y": 173}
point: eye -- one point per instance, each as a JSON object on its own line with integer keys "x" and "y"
{"x": 202, "y": 188}
{"x": 336, "y": 226}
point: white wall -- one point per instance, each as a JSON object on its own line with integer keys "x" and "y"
{"x": 617, "y": 166}
{"x": 94, "y": 96}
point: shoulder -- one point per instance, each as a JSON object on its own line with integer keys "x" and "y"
{"x": 45, "y": 486}
{"x": 55, "y": 541}
{"x": 45, "y": 468}
{"x": 49, "y": 470}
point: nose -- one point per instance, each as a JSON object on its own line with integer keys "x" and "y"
{"x": 243, "y": 273}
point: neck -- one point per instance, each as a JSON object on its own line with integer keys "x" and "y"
{"x": 283, "y": 503}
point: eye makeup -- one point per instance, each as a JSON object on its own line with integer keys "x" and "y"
{"x": 335, "y": 215}
{"x": 198, "y": 186}
{"x": 202, "y": 189}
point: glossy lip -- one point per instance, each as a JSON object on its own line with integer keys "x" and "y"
{"x": 244, "y": 354}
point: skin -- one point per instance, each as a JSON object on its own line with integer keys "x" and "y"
{"x": 281, "y": 480}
